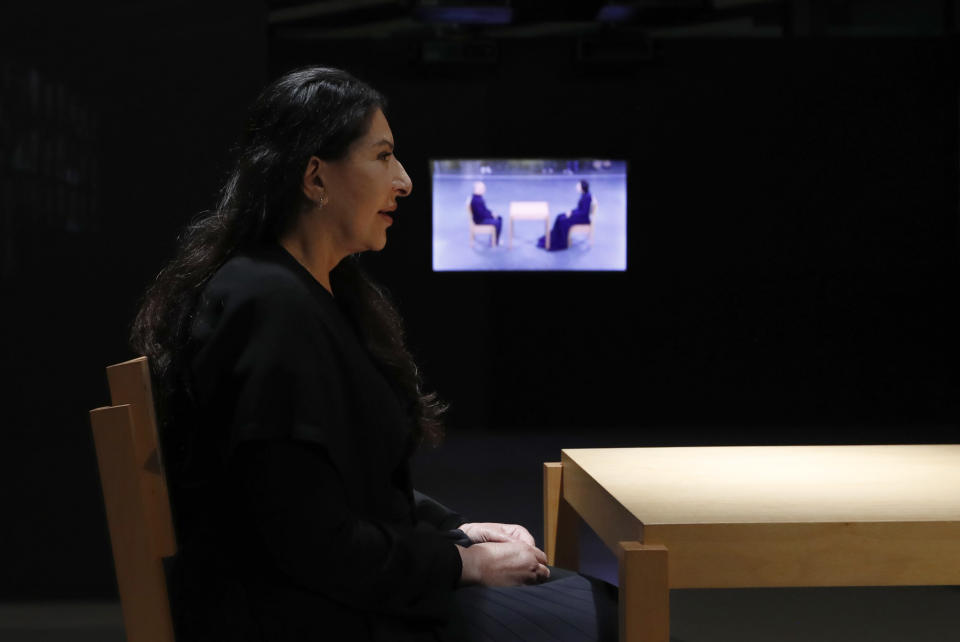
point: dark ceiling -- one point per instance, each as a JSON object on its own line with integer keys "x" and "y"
{"x": 328, "y": 19}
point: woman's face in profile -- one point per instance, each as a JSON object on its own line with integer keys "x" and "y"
{"x": 362, "y": 189}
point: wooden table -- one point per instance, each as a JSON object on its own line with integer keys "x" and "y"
{"x": 758, "y": 516}
{"x": 530, "y": 211}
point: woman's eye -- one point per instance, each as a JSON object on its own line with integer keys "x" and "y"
{"x": 384, "y": 156}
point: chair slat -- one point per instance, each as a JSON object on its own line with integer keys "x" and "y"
{"x": 130, "y": 384}
{"x": 140, "y": 577}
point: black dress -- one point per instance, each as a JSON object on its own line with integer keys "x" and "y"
{"x": 562, "y": 224}
{"x": 295, "y": 515}
{"x": 289, "y": 477}
{"x": 483, "y": 216}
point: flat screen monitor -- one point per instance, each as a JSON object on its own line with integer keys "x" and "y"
{"x": 529, "y": 214}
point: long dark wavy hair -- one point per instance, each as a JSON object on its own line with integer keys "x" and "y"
{"x": 314, "y": 111}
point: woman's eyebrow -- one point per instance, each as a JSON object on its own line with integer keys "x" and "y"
{"x": 384, "y": 141}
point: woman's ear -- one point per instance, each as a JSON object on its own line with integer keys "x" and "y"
{"x": 313, "y": 187}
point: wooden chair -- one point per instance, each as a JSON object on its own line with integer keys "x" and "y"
{"x": 481, "y": 228}
{"x": 584, "y": 227}
{"x": 137, "y": 504}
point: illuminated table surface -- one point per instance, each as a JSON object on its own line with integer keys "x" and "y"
{"x": 530, "y": 211}
{"x": 757, "y": 516}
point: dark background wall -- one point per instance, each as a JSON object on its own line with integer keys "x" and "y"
{"x": 161, "y": 89}
{"x": 792, "y": 237}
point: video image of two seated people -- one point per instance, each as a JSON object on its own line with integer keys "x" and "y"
{"x": 529, "y": 214}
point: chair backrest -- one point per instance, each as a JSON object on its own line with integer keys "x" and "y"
{"x": 136, "y": 500}
{"x": 130, "y": 384}
{"x": 593, "y": 206}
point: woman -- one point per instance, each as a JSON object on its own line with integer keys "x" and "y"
{"x": 561, "y": 226}
{"x": 290, "y": 405}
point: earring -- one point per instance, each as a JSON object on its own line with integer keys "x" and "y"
{"x": 323, "y": 199}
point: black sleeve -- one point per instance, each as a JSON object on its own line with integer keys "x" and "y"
{"x": 434, "y": 513}
{"x": 297, "y": 504}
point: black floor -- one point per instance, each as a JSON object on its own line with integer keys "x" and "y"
{"x": 61, "y": 621}
{"x": 920, "y": 614}
{"x": 496, "y": 476}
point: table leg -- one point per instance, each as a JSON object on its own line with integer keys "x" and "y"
{"x": 561, "y": 524}
{"x": 546, "y": 232}
{"x": 510, "y": 244}
{"x": 644, "y": 593}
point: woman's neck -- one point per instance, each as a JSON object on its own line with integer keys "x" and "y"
{"x": 313, "y": 253}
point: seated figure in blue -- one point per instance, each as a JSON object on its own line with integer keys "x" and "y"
{"x": 481, "y": 215}
{"x": 580, "y": 214}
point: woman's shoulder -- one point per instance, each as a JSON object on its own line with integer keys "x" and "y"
{"x": 261, "y": 276}
{"x": 254, "y": 273}
{"x": 258, "y": 295}
{"x": 260, "y": 291}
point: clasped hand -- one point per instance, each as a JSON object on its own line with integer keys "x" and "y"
{"x": 502, "y": 555}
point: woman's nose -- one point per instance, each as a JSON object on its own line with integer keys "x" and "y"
{"x": 401, "y": 182}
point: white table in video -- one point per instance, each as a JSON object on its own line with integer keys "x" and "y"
{"x": 530, "y": 211}
{"x": 756, "y": 516}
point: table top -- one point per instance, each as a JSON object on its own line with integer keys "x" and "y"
{"x": 779, "y": 484}
{"x": 529, "y": 209}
